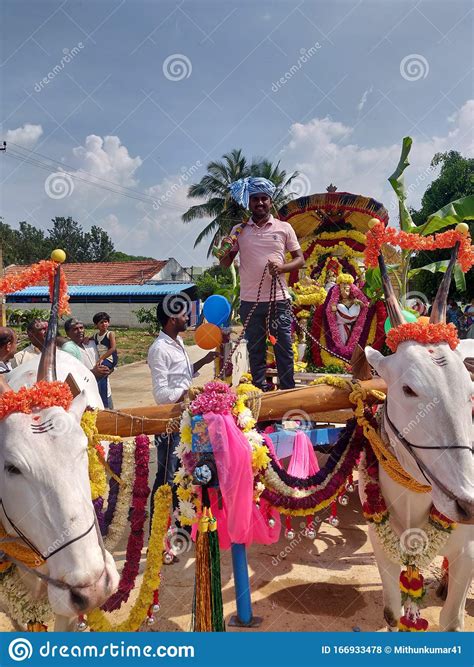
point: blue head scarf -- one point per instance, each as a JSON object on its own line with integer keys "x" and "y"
{"x": 242, "y": 189}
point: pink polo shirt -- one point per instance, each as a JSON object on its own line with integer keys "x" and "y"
{"x": 258, "y": 245}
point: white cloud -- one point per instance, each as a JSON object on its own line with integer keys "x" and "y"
{"x": 363, "y": 99}
{"x": 26, "y": 136}
{"x": 107, "y": 158}
{"x": 321, "y": 150}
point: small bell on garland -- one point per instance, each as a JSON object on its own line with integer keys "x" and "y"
{"x": 271, "y": 522}
{"x": 289, "y": 532}
{"x": 333, "y": 519}
{"x": 155, "y": 607}
{"x": 343, "y": 500}
{"x": 81, "y": 624}
{"x": 350, "y": 488}
{"x": 310, "y": 531}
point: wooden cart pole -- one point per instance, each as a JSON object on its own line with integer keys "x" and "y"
{"x": 311, "y": 400}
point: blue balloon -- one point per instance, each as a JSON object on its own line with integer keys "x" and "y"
{"x": 216, "y": 309}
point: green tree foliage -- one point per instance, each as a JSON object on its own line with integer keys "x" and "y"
{"x": 218, "y": 205}
{"x": 29, "y": 244}
{"x": 455, "y": 180}
{"x": 215, "y": 280}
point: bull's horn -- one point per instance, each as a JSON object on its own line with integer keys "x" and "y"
{"x": 361, "y": 369}
{"x": 393, "y": 307}
{"x": 47, "y": 364}
{"x": 438, "y": 310}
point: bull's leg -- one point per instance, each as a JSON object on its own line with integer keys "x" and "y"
{"x": 461, "y": 570}
{"x": 390, "y": 575}
{"x": 64, "y": 623}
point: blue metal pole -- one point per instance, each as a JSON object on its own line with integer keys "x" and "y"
{"x": 242, "y": 585}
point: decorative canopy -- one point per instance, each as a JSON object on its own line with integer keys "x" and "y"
{"x": 331, "y": 212}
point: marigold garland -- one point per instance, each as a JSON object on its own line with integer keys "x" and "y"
{"x": 426, "y": 334}
{"x": 34, "y": 274}
{"x": 97, "y": 619}
{"x": 434, "y": 534}
{"x": 379, "y": 234}
{"x": 40, "y": 396}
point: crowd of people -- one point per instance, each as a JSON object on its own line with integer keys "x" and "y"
{"x": 98, "y": 353}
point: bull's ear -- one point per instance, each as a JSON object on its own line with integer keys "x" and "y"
{"x": 375, "y": 359}
{"x": 78, "y": 406}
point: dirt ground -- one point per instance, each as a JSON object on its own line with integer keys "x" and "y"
{"x": 328, "y": 584}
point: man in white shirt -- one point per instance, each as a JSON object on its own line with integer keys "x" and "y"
{"x": 36, "y": 332}
{"x": 171, "y": 373}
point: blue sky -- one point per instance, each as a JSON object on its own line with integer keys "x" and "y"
{"x": 143, "y": 94}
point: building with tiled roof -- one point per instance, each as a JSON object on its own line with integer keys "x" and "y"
{"x": 119, "y": 273}
{"x": 118, "y": 288}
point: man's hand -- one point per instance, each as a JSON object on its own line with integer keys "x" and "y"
{"x": 275, "y": 269}
{"x": 100, "y": 371}
{"x": 210, "y": 356}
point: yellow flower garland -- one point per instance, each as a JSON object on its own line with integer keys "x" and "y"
{"x": 97, "y": 619}
{"x": 97, "y": 467}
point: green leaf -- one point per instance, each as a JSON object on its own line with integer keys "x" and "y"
{"x": 441, "y": 266}
{"x": 451, "y": 214}
{"x": 459, "y": 278}
{"x": 397, "y": 182}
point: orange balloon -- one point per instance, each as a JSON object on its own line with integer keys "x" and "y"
{"x": 208, "y": 336}
{"x": 423, "y": 319}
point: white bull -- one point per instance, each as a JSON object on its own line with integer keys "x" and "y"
{"x": 45, "y": 494}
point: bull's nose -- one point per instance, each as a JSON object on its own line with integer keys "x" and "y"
{"x": 78, "y": 600}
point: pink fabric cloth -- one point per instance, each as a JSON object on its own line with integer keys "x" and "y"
{"x": 303, "y": 461}
{"x": 239, "y": 521}
{"x": 258, "y": 245}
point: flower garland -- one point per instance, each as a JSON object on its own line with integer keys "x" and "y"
{"x": 41, "y": 395}
{"x": 141, "y": 491}
{"x": 118, "y": 524}
{"x": 189, "y": 503}
{"x": 217, "y": 397}
{"x": 343, "y": 250}
{"x": 97, "y": 619}
{"x": 379, "y": 234}
{"x": 426, "y": 334}
{"x": 114, "y": 460}
{"x": 423, "y": 545}
{"x": 345, "y": 350}
{"x": 299, "y": 497}
{"x": 95, "y": 453}
{"x": 17, "y": 601}
{"x": 34, "y": 274}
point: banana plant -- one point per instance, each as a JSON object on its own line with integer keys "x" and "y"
{"x": 457, "y": 211}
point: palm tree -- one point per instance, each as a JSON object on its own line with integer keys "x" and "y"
{"x": 219, "y": 206}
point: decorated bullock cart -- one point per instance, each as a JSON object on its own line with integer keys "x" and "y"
{"x": 232, "y": 488}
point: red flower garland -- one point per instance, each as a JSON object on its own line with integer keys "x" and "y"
{"x": 379, "y": 235}
{"x": 41, "y": 395}
{"x": 140, "y": 494}
{"x": 425, "y": 334}
{"x": 34, "y": 274}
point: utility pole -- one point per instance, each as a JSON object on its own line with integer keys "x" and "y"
{"x": 3, "y": 303}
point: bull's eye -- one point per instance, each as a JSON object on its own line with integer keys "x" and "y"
{"x": 408, "y": 391}
{"x": 11, "y": 469}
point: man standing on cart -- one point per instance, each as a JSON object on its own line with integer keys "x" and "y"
{"x": 263, "y": 242}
